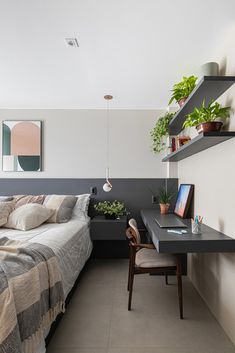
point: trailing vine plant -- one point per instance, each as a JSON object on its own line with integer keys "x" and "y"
{"x": 160, "y": 131}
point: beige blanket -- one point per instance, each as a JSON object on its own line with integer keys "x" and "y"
{"x": 31, "y": 294}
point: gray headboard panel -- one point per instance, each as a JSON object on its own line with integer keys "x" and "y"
{"x": 136, "y": 193}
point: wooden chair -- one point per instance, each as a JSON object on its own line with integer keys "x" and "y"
{"x": 144, "y": 258}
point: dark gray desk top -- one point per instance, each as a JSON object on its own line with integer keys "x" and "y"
{"x": 209, "y": 241}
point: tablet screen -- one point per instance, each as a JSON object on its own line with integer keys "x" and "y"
{"x": 183, "y": 200}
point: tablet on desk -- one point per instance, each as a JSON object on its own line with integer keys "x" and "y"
{"x": 182, "y": 204}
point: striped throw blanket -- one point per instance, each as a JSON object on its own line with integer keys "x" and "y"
{"x": 31, "y": 294}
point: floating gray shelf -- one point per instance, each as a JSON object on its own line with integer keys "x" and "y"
{"x": 209, "y": 87}
{"x": 199, "y": 143}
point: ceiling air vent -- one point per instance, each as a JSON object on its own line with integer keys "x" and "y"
{"x": 72, "y": 42}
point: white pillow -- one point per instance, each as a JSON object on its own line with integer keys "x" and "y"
{"x": 6, "y": 198}
{"x": 80, "y": 210}
{"x": 5, "y": 210}
{"x": 28, "y": 216}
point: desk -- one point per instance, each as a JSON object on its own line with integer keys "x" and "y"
{"x": 209, "y": 241}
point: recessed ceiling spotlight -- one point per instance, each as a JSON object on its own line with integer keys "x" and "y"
{"x": 72, "y": 42}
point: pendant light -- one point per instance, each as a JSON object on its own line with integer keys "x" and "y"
{"x": 107, "y": 185}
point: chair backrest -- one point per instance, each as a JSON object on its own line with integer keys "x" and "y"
{"x": 132, "y": 232}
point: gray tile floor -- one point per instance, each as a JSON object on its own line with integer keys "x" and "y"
{"x": 97, "y": 319}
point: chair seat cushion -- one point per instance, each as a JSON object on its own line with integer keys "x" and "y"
{"x": 149, "y": 258}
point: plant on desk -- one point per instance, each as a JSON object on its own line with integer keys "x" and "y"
{"x": 164, "y": 198}
{"x": 205, "y": 118}
{"x": 111, "y": 210}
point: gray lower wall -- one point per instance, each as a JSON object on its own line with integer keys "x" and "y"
{"x": 135, "y": 193}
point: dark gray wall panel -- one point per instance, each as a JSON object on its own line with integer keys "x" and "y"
{"x": 136, "y": 193}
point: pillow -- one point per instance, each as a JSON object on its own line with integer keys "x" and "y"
{"x": 6, "y": 198}
{"x": 63, "y": 206}
{"x": 80, "y": 210}
{"x": 28, "y": 216}
{"x": 5, "y": 210}
{"x": 24, "y": 199}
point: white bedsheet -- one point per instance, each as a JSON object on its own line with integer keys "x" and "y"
{"x": 70, "y": 242}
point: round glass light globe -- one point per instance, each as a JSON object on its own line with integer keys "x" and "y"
{"x": 107, "y": 187}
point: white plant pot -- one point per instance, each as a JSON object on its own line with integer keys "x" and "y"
{"x": 209, "y": 69}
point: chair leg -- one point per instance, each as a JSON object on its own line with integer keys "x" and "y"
{"x": 180, "y": 295}
{"x": 179, "y": 282}
{"x": 130, "y": 288}
{"x": 129, "y": 274}
{"x": 166, "y": 279}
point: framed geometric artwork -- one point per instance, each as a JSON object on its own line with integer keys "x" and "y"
{"x": 21, "y": 146}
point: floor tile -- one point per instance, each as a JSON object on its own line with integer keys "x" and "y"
{"x": 97, "y": 319}
{"x": 83, "y": 332}
{"x": 76, "y": 350}
{"x": 168, "y": 350}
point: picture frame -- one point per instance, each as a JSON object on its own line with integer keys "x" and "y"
{"x": 22, "y": 145}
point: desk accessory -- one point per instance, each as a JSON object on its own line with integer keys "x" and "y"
{"x": 181, "y": 231}
{"x": 196, "y": 225}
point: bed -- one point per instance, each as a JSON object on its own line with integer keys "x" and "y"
{"x": 69, "y": 241}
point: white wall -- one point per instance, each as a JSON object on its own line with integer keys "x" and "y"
{"x": 213, "y": 173}
{"x": 74, "y": 143}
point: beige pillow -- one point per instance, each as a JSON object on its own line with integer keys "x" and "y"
{"x": 5, "y": 210}
{"x": 21, "y": 200}
{"x": 63, "y": 206}
{"x": 28, "y": 216}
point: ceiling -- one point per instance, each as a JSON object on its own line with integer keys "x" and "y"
{"x": 132, "y": 49}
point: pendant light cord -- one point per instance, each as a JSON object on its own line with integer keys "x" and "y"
{"x": 107, "y": 97}
{"x": 107, "y": 141}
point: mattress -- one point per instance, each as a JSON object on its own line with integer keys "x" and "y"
{"x": 70, "y": 242}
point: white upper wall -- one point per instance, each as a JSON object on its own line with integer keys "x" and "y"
{"x": 133, "y": 49}
{"x": 74, "y": 143}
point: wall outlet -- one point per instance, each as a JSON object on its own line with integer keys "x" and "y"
{"x": 154, "y": 199}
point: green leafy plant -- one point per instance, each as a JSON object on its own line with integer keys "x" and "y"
{"x": 159, "y": 131}
{"x": 115, "y": 208}
{"x": 183, "y": 88}
{"x": 164, "y": 197}
{"x": 206, "y": 114}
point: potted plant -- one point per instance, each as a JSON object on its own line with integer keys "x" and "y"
{"x": 111, "y": 210}
{"x": 160, "y": 131}
{"x": 205, "y": 118}
{"x": 182, "y": 90}
{"x": 164, "y": 199}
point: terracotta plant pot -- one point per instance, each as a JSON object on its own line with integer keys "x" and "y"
{"x": 182, "y": 101}
{"x": 209, "y": 127}
{"x": 164, "y": 208}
